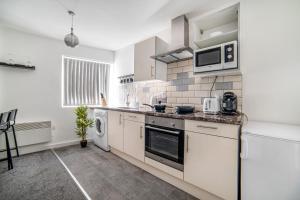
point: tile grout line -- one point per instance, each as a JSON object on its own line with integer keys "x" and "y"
{"x": 72, "y": 176}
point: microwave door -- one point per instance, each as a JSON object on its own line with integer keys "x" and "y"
{"x": 208, "y": 59}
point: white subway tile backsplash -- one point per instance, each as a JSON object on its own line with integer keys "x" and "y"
{"x": 237, "y": 78}
{"x": 204, "y": 80}
{"x": 171, "y": 100}
{"x": 187, "y": 69}
{"x": 224, "y": 86}
{"x": 197, "y": 87}
{"x": 172, "y": 65}
{"x": 206, "y": 86}
{"x": 171, "y": 88}
{"x": 176, "y": 94}
{"x": 191, "y": 87}
{"x": 237, "y": 85}
{"x": 201, "y": 93}
{"x": 188, "y": 94}
{"x": 184, "y": 87}
{"x": 195, "y": 100}
{"x": 182, "y": 100}
{"x": 177, "y": 70}
{"x": 182, "y": 75}
{"x": 172, "y": 77}
{"x": 183, "y": 63}
{"x": 197, "y": 80}
{"x": 212, "y": 79}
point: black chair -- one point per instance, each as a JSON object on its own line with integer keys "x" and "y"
{"x": 12, "y": 123}
{"x": 4, "y": 126}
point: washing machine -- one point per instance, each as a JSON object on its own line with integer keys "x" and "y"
{"x": 100, "y": 136}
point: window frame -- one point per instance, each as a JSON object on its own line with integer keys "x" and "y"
{"x": 63, "y": 75}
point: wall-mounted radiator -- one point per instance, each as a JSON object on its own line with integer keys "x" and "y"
{"x": 29, "y": 133}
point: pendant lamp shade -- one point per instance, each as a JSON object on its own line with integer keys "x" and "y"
{"x": 71, "y": 40}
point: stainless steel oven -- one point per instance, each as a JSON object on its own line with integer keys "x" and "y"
{"x": 164, "y": 141}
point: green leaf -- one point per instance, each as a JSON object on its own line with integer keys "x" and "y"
{"x": 82, "y": 122}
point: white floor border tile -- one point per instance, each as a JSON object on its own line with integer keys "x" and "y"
{"x": 73, "y": 177}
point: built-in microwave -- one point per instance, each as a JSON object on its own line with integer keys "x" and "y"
{"x": 215, "y": 58}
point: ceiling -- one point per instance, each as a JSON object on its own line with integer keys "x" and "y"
{"x": 107, "y": 24}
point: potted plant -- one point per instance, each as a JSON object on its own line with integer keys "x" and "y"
{"x": 82, "y": 123}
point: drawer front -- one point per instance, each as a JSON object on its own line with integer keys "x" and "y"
{"x": 217, "y": 129}
{"x": 134, "y": 117}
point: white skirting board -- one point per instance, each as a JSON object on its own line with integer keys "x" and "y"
{"x": 41, "y": 147}
{"x": 193, "y": 190}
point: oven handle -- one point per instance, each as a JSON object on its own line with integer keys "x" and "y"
{"x": 164, "y": 130}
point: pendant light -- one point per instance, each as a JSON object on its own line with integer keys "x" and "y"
{"x": 71, "y": 40}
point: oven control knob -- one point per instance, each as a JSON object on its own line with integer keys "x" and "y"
{"x": 229, "y": 56}
{"x": 173, "y": 124}
{"x": 229, "y": 49}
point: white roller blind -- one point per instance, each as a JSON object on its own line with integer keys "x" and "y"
{"x": 84, "y": 81}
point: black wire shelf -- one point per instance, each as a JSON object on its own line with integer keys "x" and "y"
{"x": 3, "y": 64}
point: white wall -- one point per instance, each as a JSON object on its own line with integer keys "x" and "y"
{"x": 123, "y": 65}
{"x": 37, "y": 94}
{"x": 270, "y": 59}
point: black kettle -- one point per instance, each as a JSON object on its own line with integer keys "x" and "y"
{"x": 229, "y": 103}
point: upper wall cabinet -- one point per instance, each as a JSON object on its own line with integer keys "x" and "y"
{"x": 216, "y": 27}
{"x": 146, "y": 68}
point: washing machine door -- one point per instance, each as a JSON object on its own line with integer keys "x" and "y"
{"x": 100, "y": 127}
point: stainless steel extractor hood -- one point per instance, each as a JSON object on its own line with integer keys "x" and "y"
{"x": 180, "y": 49}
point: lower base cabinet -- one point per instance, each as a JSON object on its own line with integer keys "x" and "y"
{"x": 115, "y": 130}
{"x": 211, "y": 163}
{"x": 210, "y": 158}
{"x": 134, "y": 139}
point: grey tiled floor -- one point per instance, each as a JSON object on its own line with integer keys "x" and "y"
{"x": 105, "y": 176}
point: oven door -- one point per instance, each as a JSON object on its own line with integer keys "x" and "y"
{"x": 208, "y": 59}
{"x": 165, "y": 145}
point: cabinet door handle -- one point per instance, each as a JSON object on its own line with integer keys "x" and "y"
{"x": 141, "y": 132}
{"x": 132, "y": 116}
{"x": 187, "y": 143}
{"x": 209, "y": 127}
{"x": 120, "y": 119}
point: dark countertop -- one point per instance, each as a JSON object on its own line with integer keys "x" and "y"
{"x": 198, "y": 116}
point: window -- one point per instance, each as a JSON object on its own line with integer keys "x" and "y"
{"x": 83, "y": 81}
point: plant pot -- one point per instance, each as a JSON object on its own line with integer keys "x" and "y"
{"x": 83, "y": 143}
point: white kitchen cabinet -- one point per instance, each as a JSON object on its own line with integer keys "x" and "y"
{"x": 116, "y": 130}
{"x": 146, "y": 68}
{"x": 211, "y": 161}
{"x": 134, "y": 137}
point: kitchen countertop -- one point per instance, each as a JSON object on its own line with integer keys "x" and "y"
{"x": 198, "y": 116}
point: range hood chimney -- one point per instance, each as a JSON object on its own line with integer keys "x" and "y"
{"x": 180, "y": 49}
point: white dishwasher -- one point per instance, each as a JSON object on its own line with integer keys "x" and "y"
{"x": 270, "y": 162}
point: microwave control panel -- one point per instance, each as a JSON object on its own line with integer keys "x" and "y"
{"x": 229, "y": 53}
